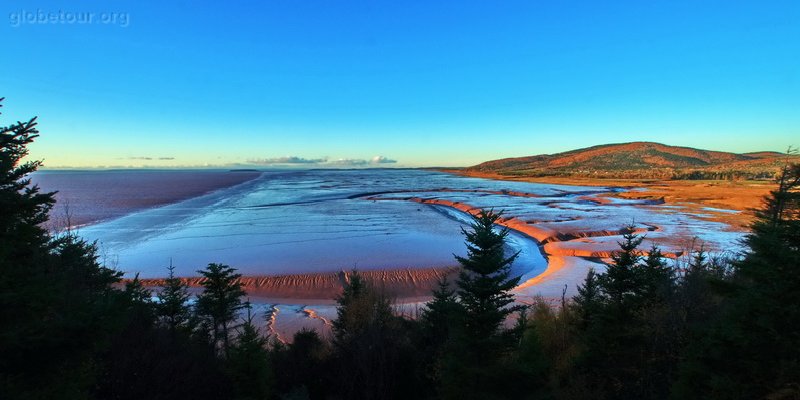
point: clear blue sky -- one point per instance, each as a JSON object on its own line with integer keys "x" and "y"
{"x": 422, "y": 83}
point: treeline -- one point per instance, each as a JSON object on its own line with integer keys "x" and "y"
{"x": 753, "y": 174}
{"x": 645, "y": 328}
{"x": 727, "y": 175}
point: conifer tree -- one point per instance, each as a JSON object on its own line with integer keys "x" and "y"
{"x": 658, "y": 328}
{"x": 620, "y": 280}
{"x": 220, "y": 301}
{"x": 699, "y": 299}
{"x": 136, "y": 292}
{"x": 485, "y": 281}
{"x": 22, "y": 207}
{"x": 656, "y": 278}
{"x": 440, "y": 315}
{"x": 248, "y": 363}
{"x": 622, "y": 322}
{"x": 369, "y": 343}
{"x": 172, "y": 307}
{"x": 589, "y": 300}
{"x": 438, "y": 320}
{"x": 481, "y": 346}
{"x": 57, "y": 306}
{"x": 140, "y": 303}
{"x": 302, "y": 367}
{"x": 349, "y": 319}
{"x": 759, "y": 323}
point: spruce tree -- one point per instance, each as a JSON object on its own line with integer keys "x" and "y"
{"x": 759, "y": 324}
{"x": 220, "y": 302}
{"x": 620, "y": 280}
{"x": 658, "y": 328}
{"x": 589, "y": 300}
{"x": 349, "y": 319}
{"x": 136, "y": 292}
{"x": 23, "y": 208}
{"x": 57, "y": 304}
{"x": 699, "y": 299}
{"x": 302, "y": 367}
{"x": 485, "y": 281}
{"x": 369, "y": 343}
{"x": 481, "y": 346}
{"x": 248, "y": 363}
{"x": 172, "y": 308}
{"x": 622, "y": 323}
{"x": 440, "y": 315}
{"x": 140, "y": 303}
{"x": 437, "y": 321}
{"x": 656, "y": 278}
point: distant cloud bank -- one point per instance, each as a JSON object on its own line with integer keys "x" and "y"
{"x": 145, "y": 158}
{"x": 287, "y": 160}
{"x": 341, "y": 162}
{"x": 349, "y": 162}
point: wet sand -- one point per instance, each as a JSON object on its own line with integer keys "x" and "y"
{"x": 322, "y": 288}
{"x": 285, "y": 304}
{"x": 574, "y": 251}
{"x": 712, "y": 197}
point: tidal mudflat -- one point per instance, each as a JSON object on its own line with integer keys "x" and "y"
{"x": 294, "y": 235}
{"x": 318, "y": 222}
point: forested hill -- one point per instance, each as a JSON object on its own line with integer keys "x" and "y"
{"x": 641, "y": 160}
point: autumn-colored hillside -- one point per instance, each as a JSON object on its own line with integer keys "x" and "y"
{"x": 641, "y": 160}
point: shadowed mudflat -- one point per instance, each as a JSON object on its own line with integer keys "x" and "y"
{"x": 291, "y": 233}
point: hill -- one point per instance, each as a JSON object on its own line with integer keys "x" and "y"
{"x": 640, "y": 160}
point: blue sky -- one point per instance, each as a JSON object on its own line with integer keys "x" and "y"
{"x": 427, "y": 83}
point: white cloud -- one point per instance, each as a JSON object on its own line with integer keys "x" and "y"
{"x": 382, "y": 160}
{"x": 349, "y": 162}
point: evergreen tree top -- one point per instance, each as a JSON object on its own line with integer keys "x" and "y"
{"x": 485, "y": 282}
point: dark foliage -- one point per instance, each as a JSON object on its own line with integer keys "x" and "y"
{"x": 302, "y": 368}
{"x": 219, "y": 303}
{"x": 248, "y": 365}
{"x": 759, "y": 323}
{"x": 372, "y": 350}
{"x": 57, "y": 307}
